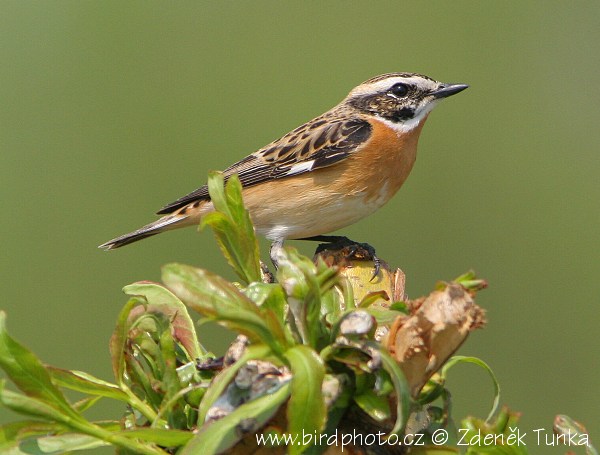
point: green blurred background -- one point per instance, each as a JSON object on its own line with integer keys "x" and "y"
{"x": 110, "y": 109}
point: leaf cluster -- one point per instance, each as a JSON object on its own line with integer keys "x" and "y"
{"x": 298, "y": 324}
{"x": 309, "y": 355}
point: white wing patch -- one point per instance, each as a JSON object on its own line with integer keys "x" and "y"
{"x": 299, "y": 168}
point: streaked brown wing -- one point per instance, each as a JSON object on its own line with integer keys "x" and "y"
{"x": 314, "y": 145}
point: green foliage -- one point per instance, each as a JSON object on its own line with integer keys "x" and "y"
{"x": 232, "y": 227}
{"x": 499, "y": 436}
{"x": 463, "y": 359}
{"x": 225, "y": 432}
{"x": 306, "y": 410}
{"x": 219, "y": 300}
{"x": 295, "y": 325}
{"x": 223, "y": 379}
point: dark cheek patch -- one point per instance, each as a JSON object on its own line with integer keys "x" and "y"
{"x": 384, "y": 106}
{"x": 405, "y": 113}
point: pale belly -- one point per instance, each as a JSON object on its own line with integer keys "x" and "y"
{"x": 311, "y": 211}
{"x": 313, "y": 219}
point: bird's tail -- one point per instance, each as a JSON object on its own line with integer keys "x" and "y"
{"x": 163, "y": 224}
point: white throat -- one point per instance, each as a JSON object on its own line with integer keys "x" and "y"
{"x": 410, "y": 124}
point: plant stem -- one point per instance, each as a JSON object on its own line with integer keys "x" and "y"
{"x": 139, "y": 405}
{"x": 114, "y": 439}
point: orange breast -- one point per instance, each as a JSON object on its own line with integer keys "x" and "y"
{"x": 385, "y": 162}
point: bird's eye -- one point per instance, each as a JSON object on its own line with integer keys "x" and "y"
{"x": 399, "y": 89}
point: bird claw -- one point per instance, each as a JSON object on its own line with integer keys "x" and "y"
{"x": 371, "y": 251}
{"x": 377, "y": 266}
{"x": 356, "y": 250}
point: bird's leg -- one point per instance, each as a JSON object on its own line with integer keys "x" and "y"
{"x": 337, "y": 242}
{"x": 275, "y": 248}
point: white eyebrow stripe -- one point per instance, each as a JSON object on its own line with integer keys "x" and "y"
{"x": 299, "y": 168}
{"x": 380, "y": 86}
{"x": 385, "y": 84}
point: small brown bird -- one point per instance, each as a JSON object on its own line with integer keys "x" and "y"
{"x": 328, "y": 173}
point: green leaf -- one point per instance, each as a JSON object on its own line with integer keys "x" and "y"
{"x": 431, "y": 391}
{"x": 347, "y": 292}
{"x": 568, "y": 427}
{"x": 205, "y": 292}
{"x": 222, "y": 380}
{"x": 162, "y": 437}
{"x": 271, "y": 299}
{"x": 464, "y": 359}
{"x": 434, "y": 450}
{"x": 268, "y": 296}
{"x": 216, "y": 189}
{"x": 170, "y": 384}
{"x": 306, "y": 411}
{"x": 373, "y": 297}
{"x": 86, "y": 403}
{"x": 17, "y": 431}
{"x": 62, "y": 443}
{"x": 377, "y": 407}
{"x": 119, "y": 339}
{"x": 220, "y": 300}
{"x": 188, "y": 373}
{"x": 85, "y": 383}
{"x": 505, "y": 425}
{"x": 12, "y": 448}
{"x": 223, "y": 434}
{"x": 141, "y": 382}
{"x": 35, "y": 407}
{"x": 232, "y": 226}
{"x": 470, "y": 282}
{"x": 30, "y": 406}
{"x": 384, "y": 316}
{"x": 401, "y": 387}
{"x": 162, "y": 300}
{"x": 28, "y": 373}
{"x": 305, "y": 284}
{"x": 399, "y": 306}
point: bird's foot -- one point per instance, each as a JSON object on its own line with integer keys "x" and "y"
{"x": 352, "y": 249}
{"x": 267, "y": 276}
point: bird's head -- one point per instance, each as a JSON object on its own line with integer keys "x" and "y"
{"x": 403, "y": 99}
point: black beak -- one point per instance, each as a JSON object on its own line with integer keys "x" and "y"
{"x": 446, "y": 90}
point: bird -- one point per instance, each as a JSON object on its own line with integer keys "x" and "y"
{"x": 329, "y": 172}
